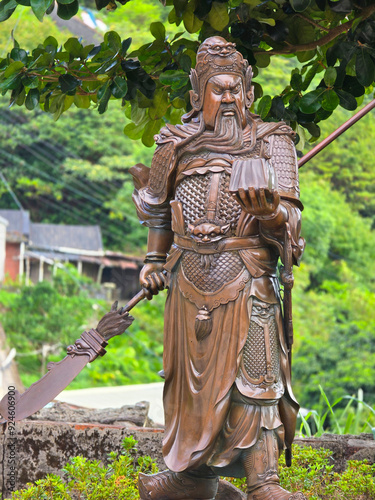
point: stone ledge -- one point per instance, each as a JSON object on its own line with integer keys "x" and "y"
{"x": 45, "y": 447}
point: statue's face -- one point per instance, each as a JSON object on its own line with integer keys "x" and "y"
{"x": 227, "y": 91}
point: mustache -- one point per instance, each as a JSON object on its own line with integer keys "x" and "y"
{"x": 228, "y": 106}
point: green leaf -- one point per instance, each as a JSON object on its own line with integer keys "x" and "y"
{"x": 50, "y": 40}
{"x": 300, "y": 5}
{"x": 119, "y": 87}
{"x": 19, "y": 55}
{"x": 296, "y": 81}
{"x": 347, "y": 101}
{"x": 134, "y": 131}
{"x": 218, "y": 16}
{"x": 185, "y": 63}
{"x": 113, "y": 41}
{"x": 330, "y": 100}
{"x": 82, "y": 101}
{"x": 104, "y": 94}
{"x": 191, "y": 22}
{"x": 68, "y": 83}
{"x": 306, "y": 55}
{"x": 65, "y": 2}
{"x": 330, "y": 76}
{"x": 262, "y": 60}
{"x": 32, "y": 82}
{"x": 32, "y": 99}
{"x": 159, "y": 105}
{"x": 311, "y": 102}
{"x": 10, "y": 83}
{"x": 100, "y": 4}
{"x": 178, "y": 103}
{"x": 264, "y": 106}
{"x": 125, "y": 46}
{"x": 74, "y": 47}
{"x": 364, "y": 68}
{"x": 266, "y": 20}
{"x": 39, "y": 7}
{"x": 13, "y": 67}
{"x": 67, "y": 11}
{"x": 175, "y": 78}
{"x": 152, "y": 128}
{"x": 158, "y": 31}
{"x": 7, "y": 7}
{"x": 309, "y": 76}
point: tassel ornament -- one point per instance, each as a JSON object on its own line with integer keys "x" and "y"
{"x": 203, "y": 324}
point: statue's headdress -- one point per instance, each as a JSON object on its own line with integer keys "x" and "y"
{"x": 216, "y": 56}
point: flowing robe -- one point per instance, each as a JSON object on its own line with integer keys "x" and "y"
{"x": 206, "y": 422}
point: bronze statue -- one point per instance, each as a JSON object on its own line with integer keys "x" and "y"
{"x": 221, "y": 201}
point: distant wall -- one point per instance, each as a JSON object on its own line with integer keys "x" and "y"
{"x": 12, "y": 263}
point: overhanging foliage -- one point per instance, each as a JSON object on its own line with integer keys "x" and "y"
{"x": 334, "y": 42}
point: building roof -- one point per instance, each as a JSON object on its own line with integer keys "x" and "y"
{"x": 18, "y": 224}
{"x": 3, "y": 221}
{"x": 72, "y": 239}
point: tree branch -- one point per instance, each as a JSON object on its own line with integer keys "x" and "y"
{"x": 331, "y": 35}
{"x": 311, "y": 21}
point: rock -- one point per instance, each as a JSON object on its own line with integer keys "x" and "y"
{"x": 227, "y": 491}
{"x": 344, "y": 447}
{"x": 126, "y": 416}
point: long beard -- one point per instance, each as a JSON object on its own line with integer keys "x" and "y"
{"x": 227, "y": 136}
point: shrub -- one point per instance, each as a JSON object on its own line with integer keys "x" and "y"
{"x": 311, "y": 473}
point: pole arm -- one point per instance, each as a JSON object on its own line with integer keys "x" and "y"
{"x": 319, "y": 147}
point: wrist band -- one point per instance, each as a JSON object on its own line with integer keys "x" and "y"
{"x": 155, "y": 257}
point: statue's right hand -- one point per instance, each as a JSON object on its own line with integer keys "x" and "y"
{"x": 152, "y": 278}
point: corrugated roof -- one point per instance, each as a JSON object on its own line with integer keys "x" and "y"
{"x": 19, "y": 221}
{"x": 54, "y": 236}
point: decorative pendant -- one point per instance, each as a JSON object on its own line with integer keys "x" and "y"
{"x": 203, "y": 324}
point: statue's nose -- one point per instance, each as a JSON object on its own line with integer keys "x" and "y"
{"x": 227, "y": 97}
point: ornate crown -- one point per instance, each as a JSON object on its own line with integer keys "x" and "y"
{"x": 216, "y": 56}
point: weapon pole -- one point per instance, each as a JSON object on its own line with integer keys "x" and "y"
{"x": 319, "y": 147}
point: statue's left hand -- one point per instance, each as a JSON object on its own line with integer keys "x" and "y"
{"x": 114, "y": 323}
{"x": 262, "y": 203}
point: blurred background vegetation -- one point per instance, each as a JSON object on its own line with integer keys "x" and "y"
{"x": 75, "y": 171}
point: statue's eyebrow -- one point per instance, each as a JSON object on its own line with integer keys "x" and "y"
{"x": 220, "y": 84}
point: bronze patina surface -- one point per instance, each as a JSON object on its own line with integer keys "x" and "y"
{"x": 221, "y": 201}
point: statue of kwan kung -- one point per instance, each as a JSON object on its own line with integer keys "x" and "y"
{"x": 221, "y": 202}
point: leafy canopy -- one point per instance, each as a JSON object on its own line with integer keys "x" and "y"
{"x": 334, "y": 42}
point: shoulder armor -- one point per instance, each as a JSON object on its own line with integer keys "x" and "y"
{"x": 164, "y": 162}
{"x": 283, "y": 157}
{"x": 160, "y": 165}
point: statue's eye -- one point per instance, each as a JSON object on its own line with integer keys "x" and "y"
{"x": 212, "y": 234}
{"x": 217, "y": 91}
{"x": 236, "y": 89}
{"x": 200, "y": 235}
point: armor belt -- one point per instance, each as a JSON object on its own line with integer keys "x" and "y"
{"x": 224, "y": 245}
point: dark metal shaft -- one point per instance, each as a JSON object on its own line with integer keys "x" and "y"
{"x": 336, "y": 133}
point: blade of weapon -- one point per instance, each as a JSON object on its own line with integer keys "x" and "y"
{"x": 88, "y": 347}
{"x": 319, "y": 147}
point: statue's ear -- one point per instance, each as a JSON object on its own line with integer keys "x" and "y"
{"x": 225, "y": 229}
{"x": 249, "y": 87}
{"x": 250, "y": 97}
{"x": 195, "y": 98}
